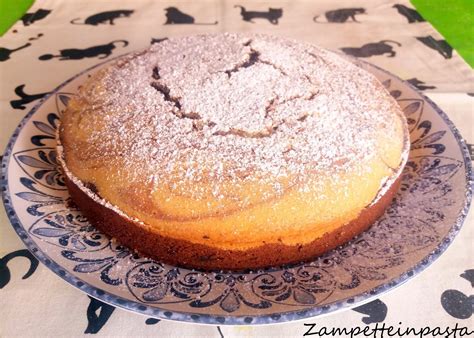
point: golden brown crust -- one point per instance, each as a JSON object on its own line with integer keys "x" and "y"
{"x": 187, "y": 254}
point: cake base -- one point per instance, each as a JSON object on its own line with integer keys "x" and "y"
{"x": 191, "y": 255}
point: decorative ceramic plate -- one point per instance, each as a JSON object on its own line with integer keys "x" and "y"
{"x": 418, "y": 226}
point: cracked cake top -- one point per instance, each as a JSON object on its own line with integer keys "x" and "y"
{"x": 229, "y": 108}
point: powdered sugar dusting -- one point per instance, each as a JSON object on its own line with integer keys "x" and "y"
{"x": 230, "y": 107}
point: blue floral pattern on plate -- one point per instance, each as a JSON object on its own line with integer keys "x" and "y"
{"x": 426, "y": 214}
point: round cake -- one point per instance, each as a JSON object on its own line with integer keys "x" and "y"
{"x": 232, "y": 151}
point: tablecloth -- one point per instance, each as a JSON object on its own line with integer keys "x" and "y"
{"x": 390, "y": 34}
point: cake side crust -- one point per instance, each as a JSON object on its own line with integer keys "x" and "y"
{"x": 186, "y": 254}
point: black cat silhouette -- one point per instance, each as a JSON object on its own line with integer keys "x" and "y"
{"x": 411, "y": 14}
{"x": 5, "y": 52}
{"x": 24, "y": 98}
{"x": 30, "y": 18}
{"x": 272, "y": 15}
{"x": 104, "y": 17}
{"x": 469, "y": 274}
{"x": 441, "y": 46}
{"x": 96, "y": 321}
{"x": 5, "y": 271}
{"x": 175, "y": 17}
{"x": 376, "y": 311}
{"x": 419, "y": 84}
{"x": 101, "y": 51}
{"x": 341, "y": 15}
{"x": 157, "y": 40}
{"x": 370, "y": 49}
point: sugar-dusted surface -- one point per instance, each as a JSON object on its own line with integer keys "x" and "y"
{"x": 207, "y": 126}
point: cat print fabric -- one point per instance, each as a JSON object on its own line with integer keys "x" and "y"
{"x": 30, "y": 18}
{"x": 441, "y": 46}
{"x": 5, "y": 273}
{"x": 383, "y": 47}
{"x": 5, "y": 53}
{"x": 175, "y": 17}
{"x": 341, "y": 15}
{"x": 24, "y": 98}
{"x": 101, "y": 52}
{"x": 55, "y": 40}
{"x": 103, "y": 17}
{"x": 411, "y": 14}
{"x": 272, "y": 15}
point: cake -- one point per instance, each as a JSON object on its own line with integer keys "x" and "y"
{"x": 232, "y": 151}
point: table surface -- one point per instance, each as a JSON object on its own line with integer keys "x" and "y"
{"x": 41, "y": 304}
{"x": 453, "y": 19}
